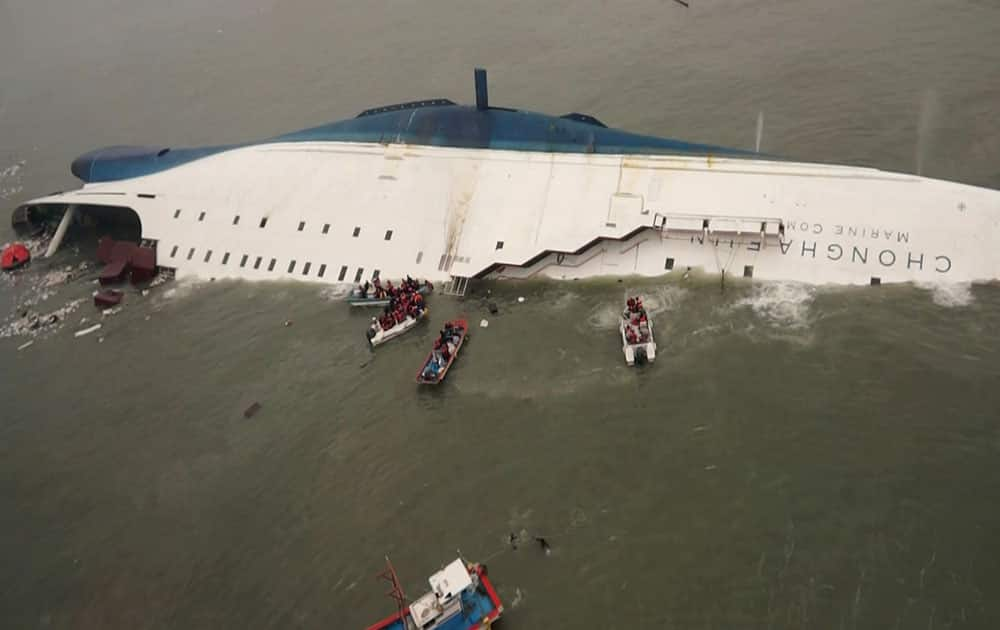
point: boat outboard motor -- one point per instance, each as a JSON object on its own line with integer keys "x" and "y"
{"x": 370, "y": 334}
{"x": 640, "y": 355}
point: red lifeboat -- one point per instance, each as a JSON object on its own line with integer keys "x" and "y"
{"x": 14, "y": 257}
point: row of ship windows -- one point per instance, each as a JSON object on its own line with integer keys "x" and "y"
{"x": 302, "y": 224}
{"x": 291, "y": 265}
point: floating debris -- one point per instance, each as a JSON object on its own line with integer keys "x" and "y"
{"x": 251, "y": 410}
{"x": 544, "y": 544}
{"x": 87, "y": 331}
{"x": 520, "y": 299}
{"x": 484, "y": 324}
{"x": 25, "y": 345}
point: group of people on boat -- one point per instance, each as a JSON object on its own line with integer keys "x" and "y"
{"x": 405, "y": 301}
{"x": 375, "y": 289}
{"x": 444, "y": 347}
{"x": 636, "y": 322}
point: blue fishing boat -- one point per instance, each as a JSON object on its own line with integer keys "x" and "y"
{"x": 461, "y": 598}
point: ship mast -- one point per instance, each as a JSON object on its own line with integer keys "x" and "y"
{"x": 396, "y": 591}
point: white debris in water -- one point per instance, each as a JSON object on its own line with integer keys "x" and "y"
{"x": 87, "y": 331}
{"x": 484, "y": 324}
{"x": 36, "y": 325}
{"x": 25, "y": 345}
{"x": 111, "y": 311}
{"x": 520, "y": 300}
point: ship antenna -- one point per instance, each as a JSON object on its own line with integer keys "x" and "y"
{"x": 760, "y": 128}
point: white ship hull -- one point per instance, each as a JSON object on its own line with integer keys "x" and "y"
{"x": 341, "y": 211}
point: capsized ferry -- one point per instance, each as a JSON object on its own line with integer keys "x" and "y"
{"x": 453, "y": 192}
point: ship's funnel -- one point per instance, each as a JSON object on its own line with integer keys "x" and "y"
{"x": 482, "y": 99}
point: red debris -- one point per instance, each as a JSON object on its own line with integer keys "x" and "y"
{"x": 14, "y": 256}
{"x": 125, "y": 259}
{"x": 108, "y": 298}
{"x": 143, "y": 262}
{"x": 104, "y": 247}
{"x": 113, "y": 272}
{"x": 123, "y": 250}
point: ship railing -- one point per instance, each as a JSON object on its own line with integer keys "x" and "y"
{"x": 768, "y": 229}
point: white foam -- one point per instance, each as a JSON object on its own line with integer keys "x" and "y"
{"x": 782, "y": 303}
{"x": 335, "y": 292}
{"x": 181, "y": 288}
{"x": 658, "y": 299}
{"x": 10, "y": 180}
{"x": 950, "y": 295}
{"x": 661, "y": 298}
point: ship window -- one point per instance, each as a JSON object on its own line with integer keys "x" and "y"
{"x": 499, "y": 244}
{"x": 302, "y": 225}
{"x": 177, "y": 213}
{"x": 201, "y": 217}
{"x": 145, "y": 196}
{"x": 270, "y": 265}
{"x": 343, "y": 272}
{"x": 420, "y": 256}
{"x": 357, "y": 231}
{"x": 669, "y": 264}
{"x": 173, "y": 252}
{"x": 243, "y": 261}
{"x": 326, "y": 228}
{"x": 876, "y": 281}
{"x": 305, "y": 269}
{"x": 190, "y": 253}
{"x": 704, "y": 224}
{"x": 388, "y": 235}
{"x": 208, "y": 255}
{"x": 322, "y": 270}
{"x": 225, "y": 258}
{"x": 263, "y": 222}
{"x": 748, "y": 271}
{"x": 375, "y": 275}
{"x": 291, "y": 266}
{"x": 361, "y": 272}
{"x": 236, "y": 220}
{"x": 256, "y": 263}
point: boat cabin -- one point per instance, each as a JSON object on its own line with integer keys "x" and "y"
{"x": 444, "y": 601}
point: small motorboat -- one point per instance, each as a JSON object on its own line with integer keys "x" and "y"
{"x": 378, "y": 335}
{"x": 461, "y": 597}
{"x": 356, "y": 298}
{"x": 436, "y": 365}
{"x": 636, "y": 330}
{"x": 14, "y": 257}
